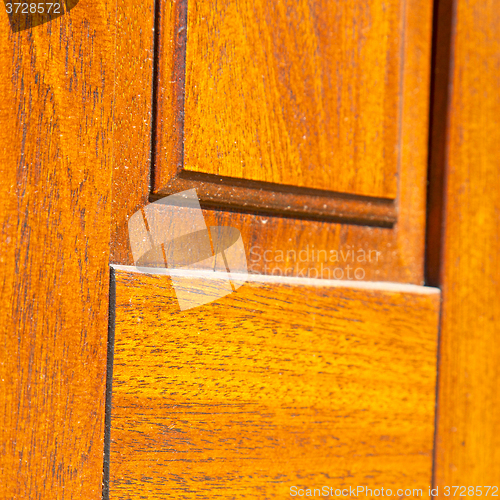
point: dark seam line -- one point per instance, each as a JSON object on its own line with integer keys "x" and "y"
{"x": 154, "y": 94}
{"x": 109, "y": 384}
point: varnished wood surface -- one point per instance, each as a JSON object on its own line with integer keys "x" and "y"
{"x": 468, "y": 437}
{"x": 316, "y": 249}
{"x": 296, "y": 126}
{"x": 276, "y": 200}
{"x": 133, "y": 115}
{"x": 171, "y": 50}
{"x": 56, "y": 113}
{"x": 400, "y": 249}
{"x": 261, "y": 390}
{"x": 295, "y": 93}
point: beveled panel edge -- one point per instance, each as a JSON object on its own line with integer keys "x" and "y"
{"x": 383, "y": 286}
{"x": 261, "y": 197}
{"x": 224, "y": 192}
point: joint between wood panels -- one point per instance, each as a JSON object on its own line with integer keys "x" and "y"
{"x": 109, "y": 383}
{"x": 154, "y": 91}
{"x": 177, "y": 77}
{"x": 444, "y": 18}
{"x": 441, "y": 78}
{"x": 441, "y": 81}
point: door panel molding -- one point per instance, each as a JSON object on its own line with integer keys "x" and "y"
{"x": 260, "y": 390}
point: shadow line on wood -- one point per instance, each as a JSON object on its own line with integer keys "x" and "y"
{"x": 109, "y": 383}
{"x": 284, "y": 200}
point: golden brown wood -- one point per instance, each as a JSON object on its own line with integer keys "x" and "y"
{"x": 57, "y": 84}
{"x": 75, "y": 107}
{"x": 132, "y": 118}
{"x": 260, "y": 391}
{"x": 468, "y": 432}
{"x": 291, "y": 125}
{"x": 171, "y": 46}
{"x": 400, "y": 249}
{"x": 255, "y": 197}
{"x": 295, "y": 93}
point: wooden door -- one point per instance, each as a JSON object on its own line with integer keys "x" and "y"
{"x": 310, "y": 366}
{"x": 302, "y": 126}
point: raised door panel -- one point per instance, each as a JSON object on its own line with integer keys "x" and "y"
{"x": 285, "y": 382}
{"x": 295, "y": 108}
{"x": 303, "y": 93}
{"x": 286, "y": 219}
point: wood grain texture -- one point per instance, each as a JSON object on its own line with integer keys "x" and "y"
{"x": 401, "y": 248}
{"x": 468, "y": 437}
{"x": 132, "y": 119}
{"x": 321, "y": 111}
{"x": 260, "y": 391}
{"x": 171, "y": 43}
{"x": 295, "y": 93}
{"x": 57, "y": 83}
{"x": 256, "y": 197}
